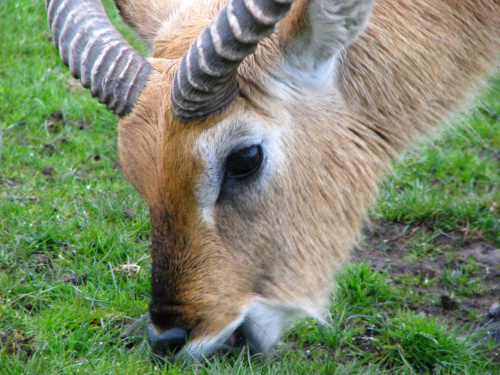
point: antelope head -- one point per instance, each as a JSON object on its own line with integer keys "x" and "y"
{"x": 236, "y": 135}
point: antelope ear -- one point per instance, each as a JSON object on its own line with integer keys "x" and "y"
{"x": 318, "y": 30}
{"x": 146, "y": 16}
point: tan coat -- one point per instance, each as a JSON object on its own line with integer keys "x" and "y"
{"x": 330, "y": 116}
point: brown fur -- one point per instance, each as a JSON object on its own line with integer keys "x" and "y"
{"x": 281, "y": 240}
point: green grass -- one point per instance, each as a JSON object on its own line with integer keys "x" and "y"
{"x": 66, "y": 209}
{"x": 452, "y": 183}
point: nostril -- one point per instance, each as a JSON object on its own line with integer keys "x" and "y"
{"x": 174, "y": 339}
{"x": 168, "y": 342}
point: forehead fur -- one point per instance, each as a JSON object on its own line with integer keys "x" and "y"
{"x": 155, "y": 146}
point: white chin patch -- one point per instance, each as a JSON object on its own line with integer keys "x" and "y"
{"x": 262, "y": 323}
{"x": 265, "y": 322}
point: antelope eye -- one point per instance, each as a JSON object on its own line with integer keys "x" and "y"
{"x": 244, "y": 162}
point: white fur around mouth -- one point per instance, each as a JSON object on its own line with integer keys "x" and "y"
{"x": 259, "y": 326}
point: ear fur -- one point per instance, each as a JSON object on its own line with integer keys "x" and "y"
{"x": 317, "y": 30}
{"x": 146, "y": 16}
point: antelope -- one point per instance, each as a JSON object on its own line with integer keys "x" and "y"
{"x": 258, "y": 132}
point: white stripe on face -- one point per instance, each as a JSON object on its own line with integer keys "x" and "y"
{"x": 217, "y": 143}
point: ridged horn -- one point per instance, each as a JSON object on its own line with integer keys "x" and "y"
{"x": 206, "y": 78}
{"x": 96, "y": 53}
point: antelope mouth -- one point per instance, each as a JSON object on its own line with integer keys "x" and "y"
{"x": 242, "y": 338}
{"x": 258, "y": 328}
{"x": 200, "y": 349}
{"x": 197, "y": 350}
{"x": 237, "y": 340}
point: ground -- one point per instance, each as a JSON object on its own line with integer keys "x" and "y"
{"x": 74, "y": 242}
{"x": 457, "y": 274}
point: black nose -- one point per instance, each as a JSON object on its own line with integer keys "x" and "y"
{"x": 168, "y": 342}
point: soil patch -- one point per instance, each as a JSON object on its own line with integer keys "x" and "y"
{"x": 455, "y": 275}
{"x": 16, "y": 343}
